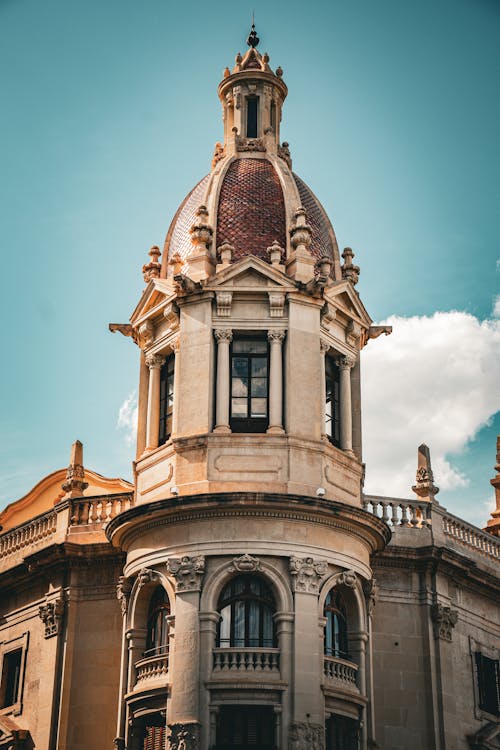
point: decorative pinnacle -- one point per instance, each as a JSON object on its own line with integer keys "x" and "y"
{"x": 253, "y": 39}
{"x": 424, "y": 485}
{"x": 75, "y": 483}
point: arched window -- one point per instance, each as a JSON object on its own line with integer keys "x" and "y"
{"x": 158, "y": 613}
{"x": 246, "y": 606}
{"x": 336, "y": 625}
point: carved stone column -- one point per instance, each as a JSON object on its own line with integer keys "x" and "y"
{"x": 324, "y": 346}
{"x": 345, "y": 365}
{"x": 224, "y": 337}
{"x": 154, "y": 362}
{"x": 276, "y": 339}
{"x": 175, "y": 415}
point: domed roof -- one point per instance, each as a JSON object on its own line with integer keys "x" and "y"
{"x": 250, "y": 211}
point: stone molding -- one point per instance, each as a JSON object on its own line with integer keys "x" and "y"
{"x": 306, "y": 736}
{"x": 187, "y": 571}
{"x": 184, "y": 736}
{"x": 224, "y": 300}
{"x": 328, "y": 314}
{"x": 306, "y": 574}
{"x": 123, "y": 590}
{"x": 223, "y": 335}
{"x": 51, "y": 614}
{"x": 146, "y": 333}
{"x": 444, "y": 619}
{"x": 276, "y": 304}
{"x": 245, "y": 564}
{"x": 353, "y": 333}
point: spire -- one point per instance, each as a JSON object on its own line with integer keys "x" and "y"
{"x": 424, "y": 482}
{"x": 75, "y": 483}
{"x": 493, "y": 525}
{"x": 253, "y": 40}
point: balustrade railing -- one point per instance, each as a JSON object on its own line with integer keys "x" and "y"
{"x": 151, "y": 668}
{"x": 340, "y": 671}
{"x": 396, "y": 512}
{"x": 99, "y": 510}
{"x": 246, "y": 660}
{"x": 471, "y": 537}
{"x": 35, "y": 531}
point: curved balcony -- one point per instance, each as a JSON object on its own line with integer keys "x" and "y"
{"x": 340, "y": 673}
{"x": 246, "y": 660}
{"x": 151, "y": 669}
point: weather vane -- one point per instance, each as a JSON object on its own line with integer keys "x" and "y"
{"x": 253, "y": 39}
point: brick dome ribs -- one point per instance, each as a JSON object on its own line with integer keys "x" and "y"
{"x": 323, "y": 241}
{"x": 251, "y": 212}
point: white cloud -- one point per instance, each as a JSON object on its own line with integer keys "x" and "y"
{"x": 496, "y": 307}
{"x": 127, "y": 417}
{"x": 434, "y": 381}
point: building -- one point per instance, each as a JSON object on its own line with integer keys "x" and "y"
{"x": 245, "y": 592}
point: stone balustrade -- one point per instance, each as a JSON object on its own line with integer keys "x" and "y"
{"x": 246, "y": 660}
{"x": 396, "y": 512}
{"x": 151, "y": 668}
{"x": 33, "y": 533}
{"x": 341, "y": 672}
{"x": 470, "y": 536}
{"x": 98, "y": 510}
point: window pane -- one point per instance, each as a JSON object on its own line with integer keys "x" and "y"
{"x": 250, "y": 346}
{"x": 239, "y": 624}
{"x": 267, "y": 628}
{"x": 225, "y": 626}
{"x": 239, "y": 407}
{"x": 259, "y": 407}
{"x": 259, "y": 367}
{"x": 239, "y": 387}
{"x": 240, "y": 367}
{"x": 253, "y": 624}
{"x": 259, "y": 386}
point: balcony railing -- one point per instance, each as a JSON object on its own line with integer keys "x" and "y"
{"x": 340, "y": 673}
{"x": 396, "y": 512}
{"x": 151, "y": 668}
{"x": 246, "y": 660}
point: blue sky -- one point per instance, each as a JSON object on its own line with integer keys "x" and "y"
{"x": 110, "y": 114}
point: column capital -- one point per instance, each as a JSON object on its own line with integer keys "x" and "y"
{"x": 346, "y": 362}
{"x": 187, "y": 571}
{"x": 176, "y": 344}
{"x": 276, "y": 336}
{"x": 223, "y": 335}
{"x": 307, "y": 573}
{"x": 324, "y": 345}
{"x": 154, "y": 361}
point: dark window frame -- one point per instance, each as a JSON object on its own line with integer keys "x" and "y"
{"x": 231, "y": 596}
{"x": 336, "y": 627}
{"x": 332, "y": 404}
{"x": 488, "y": 683}
{"x": 252, "y": 116}
{"x": 11, "y": 695}
{"x": 246, "y": 728}
{"x": 167, "y": 396}
{"x": 158, "y": 628}
{"x": 248, "y": 424}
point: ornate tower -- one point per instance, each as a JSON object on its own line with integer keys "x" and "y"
{"x": 247, "y": 590}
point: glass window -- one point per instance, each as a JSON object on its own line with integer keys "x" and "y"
{"x": 332, "y": 407}
{"x": 11, "y": 677}
{"x": 158, "y": 614}
{"x": 488, "y": 682}
{"x": 336, "y": 625}
{"x": 245, "y": 727}
{"x": 342, "y": 733}
{"x": 249, "y": 385}
{"x": 252, "y": 107}
{"x": 246, "y": 607}
{"x": 166, "y": 399}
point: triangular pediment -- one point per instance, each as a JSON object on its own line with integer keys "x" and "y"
{"x": 157, "y": 293}
{"x": 250, "y": 273}
{"x": 343, "y": 296}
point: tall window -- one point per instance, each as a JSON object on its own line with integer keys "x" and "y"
{"x": 166, "y": 399}
{"x": 273, "y": 116}
{"x": 252, "y": 106}
{"x": 245, "y": 727}
{"x": 249, "y": 385}
{"x": 11, "y": 678}
{"x": 159, "y": 611}
{"x": 246, "y": 607}
{"x": 342, "y": 733}
{"x": 488, "y": 683}
{"x": 336, "y": 625}
{"x": 332, "y": 408}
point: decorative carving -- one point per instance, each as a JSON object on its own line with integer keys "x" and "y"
{"x": 275, "y": 253}
{"x": 375, "y": 331}
{"x": 171, "y": 315}
{"x": 146, "y": 333}
{"x": 424, "y": 485}
{"x": 226, "y": 251}
{"x": 301, "y": 232}
{"x": 305, "y": 736}
{"x": 51, "y": 614}
{"x": 249, "y": 144}
{"x": 324, "y": 345}
{"x": 223, "y": 335}
{"x": 328, "y": 314}
{"x": 347, "y": 578}
{"x": 346, "y": 362}
{"x": 154, "y": 361}
{"x": 306, "y": 574}
{"x": 284, "y": 153}
{"x": 224, "y": 304}
{"x": 276, "y": 336}
{"x": 276, "y": 304}
{"x": 152, "y": 269}
{"x": 124, "y": 328}
{"x": 183, "y": 737}
{"x": 370, "y": 590}
{"x": 201, "y": 232}
{"x": 219, "y": 151}
{"x": 444, "y": 619}
{"x": 245, "y": 564}
{"x": 187, "y": 571}
{"x": 75, "y": 483}
{"x": 353, "y": 333}
{"x": 350, "y": 272}
{"x": 123, "y": 589}
{"x": 146, "y": 575}
{"x": 175, "y": 344}
{"x": 323, "y": 268}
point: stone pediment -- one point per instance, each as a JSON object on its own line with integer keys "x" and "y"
{"x": 156, "y": 294}
{"x": 343, "y": 296}
{"x": 248, "y": 274}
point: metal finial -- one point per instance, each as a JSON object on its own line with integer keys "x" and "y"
{"x": 253, "y": 39}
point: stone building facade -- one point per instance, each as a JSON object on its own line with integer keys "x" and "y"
{"x": 245, "y": 592}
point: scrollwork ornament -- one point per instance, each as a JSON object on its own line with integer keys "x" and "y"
{"x": 155, "y": 361}
{"x": 347, "y": 578}
{"x": 145, "y": 576}
{"x": 223, "y": 335}
{"x": 51, "y": 614}
{"x": 123, "y": 589}
{"x": 444, "y": 618}
{"x": 306, "y": 736}
{"x": 187, "y": 571}
{"x": 245, "y": 564}
{"x": 307, "y": 573}
{"x": 183, "y": 737}
{"x": 370, "y": 590}
{"x": 276, "y": 336}
{"x": 346, "y": 362}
